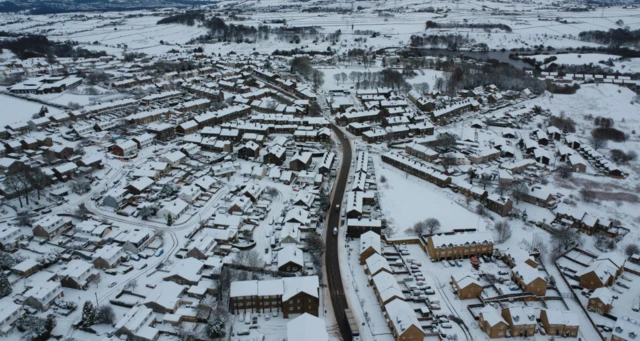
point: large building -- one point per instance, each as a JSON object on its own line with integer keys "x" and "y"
{"x": 459, "y": 245}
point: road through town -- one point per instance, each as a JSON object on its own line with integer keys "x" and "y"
{"x": 332, "y": 259}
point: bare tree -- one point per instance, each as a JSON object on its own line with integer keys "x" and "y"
{"x": 131, "y": 285}
{"x": 23, "y": 219}
{"x": 105, "y": 314}
{"x": 445, "y": 141}
{"x": 38, "y": 180}
{"x": 519, "y": 191}
{"x": 418, "y": 228}
{"x": 631, "y": 250}
{"x": 503, "y": 231}
{"x": 14, "y": 185}
{"x": 565, "y": 171}
{"x": 80, "y": 186}
{"x": 565, "y": 238}
{"x": 432, "y": 225}
{"x": 587, "y": 195}
{"x": 597, "y": 142}
{"x": 484, "y": 180}
{"x": 503, "y": 188}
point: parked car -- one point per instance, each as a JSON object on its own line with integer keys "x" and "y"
{"x": 112, "y": 284}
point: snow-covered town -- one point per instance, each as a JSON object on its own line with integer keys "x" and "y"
{"x": 316, "y": 170}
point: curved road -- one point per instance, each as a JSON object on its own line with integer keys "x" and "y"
{"x": 332, "y": 260}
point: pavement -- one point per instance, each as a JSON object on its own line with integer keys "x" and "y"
{"x": 332, "y": 259}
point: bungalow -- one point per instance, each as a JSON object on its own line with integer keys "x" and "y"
{"x": 577, "y": 163}
{"x": 42, "y": 295}
{"x": 9, "y": 237}
{"x": 115, "y": 198}
{"x": 173, "y": 209}
{"x": 190, "y": 193}
{"x": 26, "y": 268}
{"x": 78, "y": 275}
{"x": 186, "y": 272}
{"x": 9, "y": 313}
{"x": 51, "y": 226}
{"x": 108, "y": 257}
{"x": 174, "y": 158}
{"x": 165, "y": 298}
{"x": 240, "y": 204}
{"x": 136, "y": 325}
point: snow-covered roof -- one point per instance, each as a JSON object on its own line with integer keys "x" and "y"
{"x": 616, "y": 258}
{"x": 370, "y": 239}
{"x": 462, "y": 238}
{"x": 522, "y": 315}
{"x": 290, "y": 254}
{"x": 562, "y": 317}
{"x": 141, "y": 183}
{"x": 377, "y": 262}
{"x": 295, "y": 285}
{"x": 308, "y": 328}
{"x": 491, "y": 316}
{"x": 387, "y": 286}
{"x": 166, "y": 294}
{"x": 134, "y": 319}
{"x": 402, "y": 316}
{"x": 527, "y": 273}
{"x": 604, "y": 294}
{"x": 44, "y": 290}
{"x": 624, "y": 329}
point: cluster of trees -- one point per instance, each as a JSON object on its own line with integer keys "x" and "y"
{"x": 36, "y": 328}
{"x": 189, "y": 18}
{"x": 34, "y": 45}
{"x": 608, "y": 134}
{"x": 614, "y": 37}
{"x": 220, "y": 31}
{"x": 428, "y": 226}
{"x": 26, "y": 181}
{"x": 91, "y": 315}
{"x": 562, "y": 122}
{"x": 445, "y": 41}
{"x": 303, "y": 67}
{"x": 603, "y": 122}
{"x": 563, "y": 89}
{"x": 505, "y": 76}
{"x": 484, "y": 26}
{"x": 297, "y": 51}
{"x": 618, "y": 155}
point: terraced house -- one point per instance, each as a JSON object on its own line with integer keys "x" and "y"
{"x": 459, "y": 245}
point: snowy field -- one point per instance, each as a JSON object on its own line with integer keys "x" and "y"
{"x": 19, "y": 110}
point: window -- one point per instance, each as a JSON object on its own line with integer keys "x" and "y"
{"x": 291, "y": 308}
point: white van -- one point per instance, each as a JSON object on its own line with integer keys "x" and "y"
{"x": 335, "y": 231}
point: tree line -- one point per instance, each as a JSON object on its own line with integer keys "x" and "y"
{"x": 34, "y": 45}
{"x": 485, "y": 26}
{"x": 614, "y": 37}
{"x": 446, "y": 41}
{"x": 188, "y": 18}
